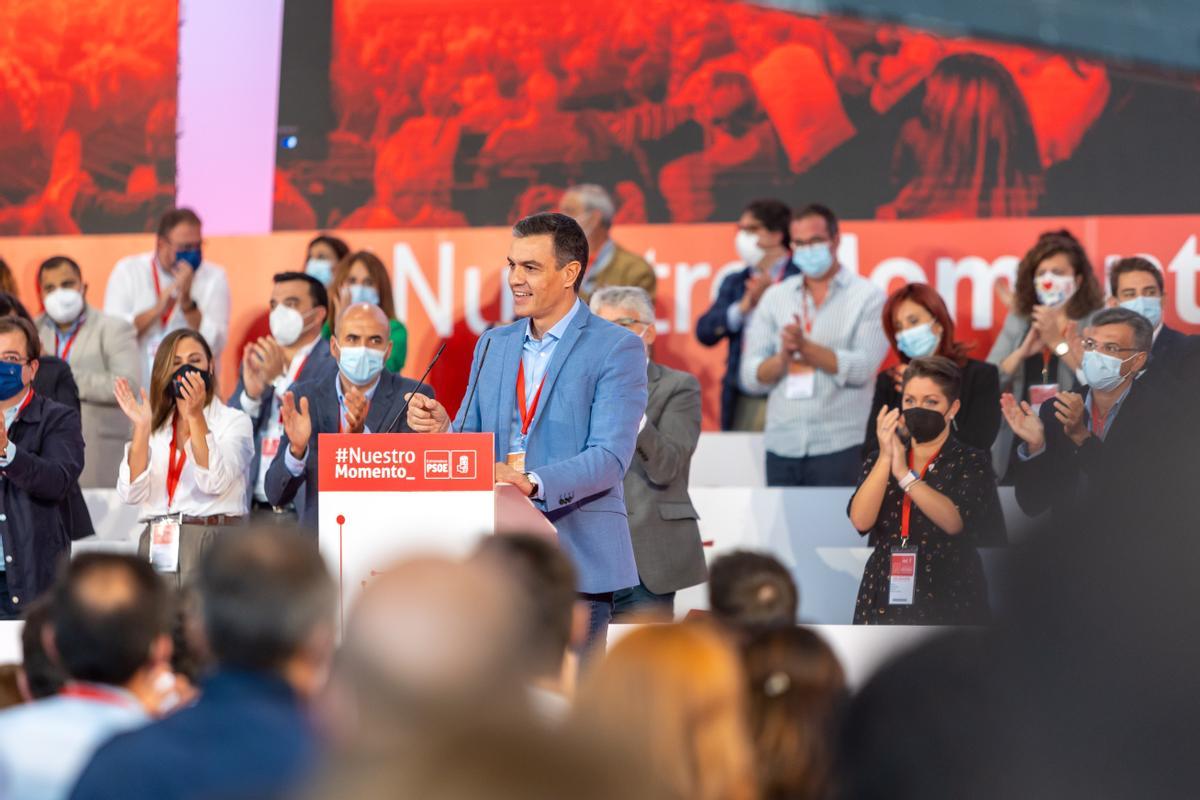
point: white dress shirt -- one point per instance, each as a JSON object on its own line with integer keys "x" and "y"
{"x": 849, "y": 322}
{"x": 131, "y": 291}
{"x": 220, "y": 489}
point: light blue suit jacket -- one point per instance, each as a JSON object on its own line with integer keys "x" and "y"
{"x": 581, "y": 439}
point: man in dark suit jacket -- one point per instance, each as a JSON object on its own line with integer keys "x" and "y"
{"x": 41, "y": 456}
{"x": 662, "y": 520}
{"x": 1138, "y": 285}
{"x": 1079, "y": 446}
{"x": 294, "y": 352}
{"x": 359, "y": 397}
{"x": 763, "y": 243}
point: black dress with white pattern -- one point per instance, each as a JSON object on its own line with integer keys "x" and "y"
{"x": 950, "y": 585}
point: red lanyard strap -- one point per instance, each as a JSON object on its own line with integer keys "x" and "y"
{"x": 527, "y": 414}
{"x": 58, "y": 345}
{"x": 86, "y": 692}
{"x": 174, "y": 467}
{"x": 166, "y": 315}
{"x": 906, "y": 504}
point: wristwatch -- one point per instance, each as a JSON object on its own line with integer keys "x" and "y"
{"x": 529, "y": 476}
{"x": 1062, "y": 348}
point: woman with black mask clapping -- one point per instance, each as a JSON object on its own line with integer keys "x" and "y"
{"x": 926, "y": 501}
{"x": 186, "y": 464}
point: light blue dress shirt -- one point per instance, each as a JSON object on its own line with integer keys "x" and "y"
{"x": 535, "y": 357}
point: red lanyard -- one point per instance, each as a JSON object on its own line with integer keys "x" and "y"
{"x": 174, "y": 467}
{"x": 1097, "y": 420}
{"x": 58, "y": 345}
{"x": 906, "y": 505}
{"x": 527, "y": 414}
{"x": 86, "y": 692}
{"x": 1045, "y": 365}
{"x": 158, "y": 291}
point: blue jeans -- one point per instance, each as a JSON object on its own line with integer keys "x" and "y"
{"x": 832, "y": 469}
{"x": 600, "y": 614}
{"x": 639, "y": 604}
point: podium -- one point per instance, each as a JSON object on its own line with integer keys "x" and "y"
{"x": 386, "y": 497}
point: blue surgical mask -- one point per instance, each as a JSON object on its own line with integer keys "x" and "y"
{"x": 360, "y": 365}
{"x": 11, "y": 383}
{"x": 190, "y": 257}
{"x": 814, "y": 260}
{"x": 361, "y": 293}
{"x": 918, "y": 342}
{"x": 1148, "y": 307}
{"x": 1102, "y": 371}
{"x": 319, "y": 268}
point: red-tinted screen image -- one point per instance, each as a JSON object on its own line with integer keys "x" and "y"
{"x": 87, "y": 114}
{"x": 476, "y": 113}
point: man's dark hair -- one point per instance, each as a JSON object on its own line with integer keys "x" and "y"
{"x": 570, "y": 243}
{"x": 824, "y": 212}
{"x": 1143, "y": 331}
{"x": 1134, "y": 264}
{"x": 10, "y": 306}
{"x": 58, "y": 261}
{"x": 33, "y": 344}
{"x": 339, "y": 247}
{"x": 176, "y": 216}
{"x": 752, "y": 590}
{"x": 942, "y": 371}
{"x": 43, "y": 677}
{"x": 774, "y": 215}
{"x": 107, "y": 610}
{"x": 316, "y": 289}
{"x": 262, "y": 594}
{"x": 546, "y": 573}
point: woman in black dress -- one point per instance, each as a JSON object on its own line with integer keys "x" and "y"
{"x": 925, "y": 508}
{"x": 918, "y": 324}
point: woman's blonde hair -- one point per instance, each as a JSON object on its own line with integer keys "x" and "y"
{"x": 675, "y": 694}
{"x": 161, "y": 404}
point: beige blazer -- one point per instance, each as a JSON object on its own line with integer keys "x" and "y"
{"x": 104, "y": 349}
{"x": 625, "y": 269}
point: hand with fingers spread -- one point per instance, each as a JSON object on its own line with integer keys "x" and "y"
{"x": 1024, "y": 422}
{"x": 193, "y": 396}
{"x": 1070, "y": 411}
{"x": 297, "y": 424}
{"x": 426, "y": 415}
{"x": 136, "y": 408}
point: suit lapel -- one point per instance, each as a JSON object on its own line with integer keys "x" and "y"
{"x": 381, "y": 404}
{"x": 328, "y": 400}
{"x": 653, "y": 376}
{"x": 561, "y": 352}
{"x": 87, "y": 330}
{"x": 506, "y": 401}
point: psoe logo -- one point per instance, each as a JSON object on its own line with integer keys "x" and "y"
{"x": 462, "y": 464}
{"x": 437, "y": 464}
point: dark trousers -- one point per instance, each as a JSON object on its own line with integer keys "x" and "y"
{"x": 600, "y": 614}
{"x": 832, "y": 469}
{"x": 639, "y": 604}
{"x": 8, "y": 609}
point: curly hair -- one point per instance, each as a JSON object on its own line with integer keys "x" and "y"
{"x": 1087, "y": 299}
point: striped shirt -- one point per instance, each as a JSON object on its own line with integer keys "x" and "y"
{"x": 849, "y": 322}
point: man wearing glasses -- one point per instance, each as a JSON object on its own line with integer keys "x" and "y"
{"x": 662, "y": 521}
{"x": 1063, "y": 445}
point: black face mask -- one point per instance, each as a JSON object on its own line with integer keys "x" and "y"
{"x": 924, "y": 424}
{"x": 173, "y": 387}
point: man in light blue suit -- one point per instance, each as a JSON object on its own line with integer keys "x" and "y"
{"x": 564, "y": 392}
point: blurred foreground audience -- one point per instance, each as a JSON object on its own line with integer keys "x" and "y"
{"x": 751, "y": 591}
{"x": 109, "y": 631}
{"x": 268, "y": 607}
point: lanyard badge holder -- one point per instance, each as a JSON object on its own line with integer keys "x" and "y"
{"x": 164, "y": 542}
{"x": 902, "y": 578}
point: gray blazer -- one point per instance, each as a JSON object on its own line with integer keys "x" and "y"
{"x": 662, "y": 520}
{"x": 1016, "y": 327}
{"x": 104, "y": 349}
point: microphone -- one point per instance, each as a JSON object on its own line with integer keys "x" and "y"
{"x": 404, "y": 408}
{"x": 474, "y": 385}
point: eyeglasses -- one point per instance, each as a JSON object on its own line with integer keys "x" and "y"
{"x": 13, "y": 358}
{"x": 1108, "y": 348}
{"x": 627, "y": 322}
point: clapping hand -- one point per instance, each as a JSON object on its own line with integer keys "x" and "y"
{"x": 1024, "y": 422}
{"x": 297, "y": 424}
{"x": 1050, "y": 323}
{"x": 356, "y": 410}
{"x": 792, "y": 339}
{"x": 757, "y": 284}
{"x": 891, "y": 450}
{"x": 136, "y": 408}
{"x": 1070, "y": 411}
{"x": 193, "y": 395}
{"x": 1031, "y": 344}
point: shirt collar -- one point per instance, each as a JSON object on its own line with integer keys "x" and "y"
{"x": 559, "y": 328}
{"x": 11, "y": 412}
{"x": 1087, "y": 401}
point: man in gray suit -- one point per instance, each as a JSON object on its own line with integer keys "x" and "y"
{"x": 359, "y": 397}
{"x": 99, "y": 349}
{"x": 662, "y": 520}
